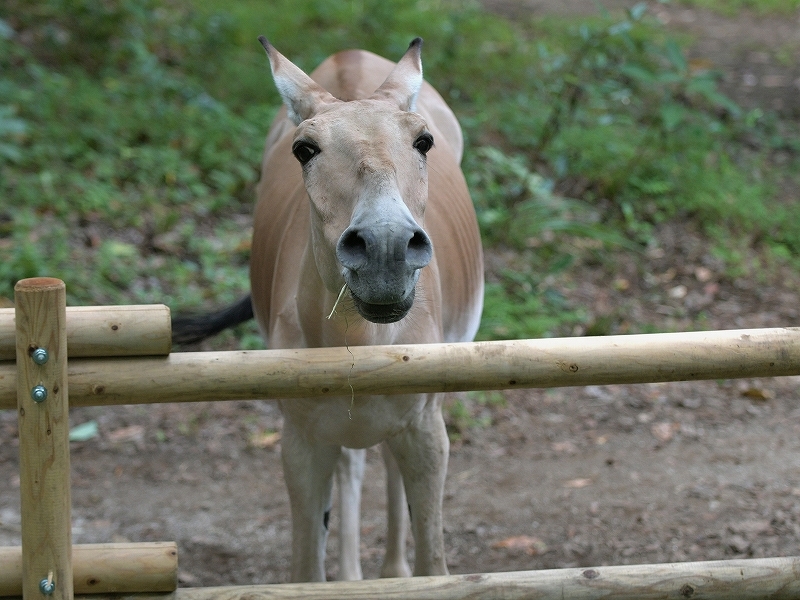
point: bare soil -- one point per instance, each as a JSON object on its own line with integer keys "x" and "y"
{"x": 545, "y": 478}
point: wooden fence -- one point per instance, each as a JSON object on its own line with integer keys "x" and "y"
{"x": 136, "y": 367}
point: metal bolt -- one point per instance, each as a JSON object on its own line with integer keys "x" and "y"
{"x": 39, "y": 393}
{"x": 47, "y": 585}
{"x": 40, "y": 356}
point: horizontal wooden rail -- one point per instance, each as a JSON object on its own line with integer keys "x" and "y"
{"x": 746, "y": 579}
{"x": 326, "y": 372}
{"x": 136, "y": 330}
{"x": 105, "y": 568}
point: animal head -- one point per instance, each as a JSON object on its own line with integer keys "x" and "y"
{"x": 365, "y": 170}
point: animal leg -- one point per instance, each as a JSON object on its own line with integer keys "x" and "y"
{"x": 308, "y": 470}
{"x": 349, "y": 474}
{"x": 395, "y": 563}
{"x": 421, "y": 452}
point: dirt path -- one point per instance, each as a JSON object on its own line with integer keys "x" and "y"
{"x": 571, "y": 477}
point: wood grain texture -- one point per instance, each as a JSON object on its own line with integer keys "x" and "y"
{"x": 135, "y": 330}
{"x": 325, "y": 372}
{"x": 44, "y": 438}
{"x": 105, "y": 568}
{"x": 746, "y": 579}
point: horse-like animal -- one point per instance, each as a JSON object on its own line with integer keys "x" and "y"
{"x": 364, "y": 234}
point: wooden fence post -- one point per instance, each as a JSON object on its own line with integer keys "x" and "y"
{"x": 42, "y": 402}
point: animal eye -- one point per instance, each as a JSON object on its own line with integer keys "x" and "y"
{"x": 304, "y": 151}
{"x": 424, "y": 143}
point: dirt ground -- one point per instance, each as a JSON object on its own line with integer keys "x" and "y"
{"x": 569, "y": 477}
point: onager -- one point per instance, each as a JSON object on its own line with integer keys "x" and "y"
{"x": 364, "y": 234}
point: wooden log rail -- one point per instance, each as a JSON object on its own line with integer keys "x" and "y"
{"x": 37, "y": 334}
{"x": 746, "y": 579}
{"x": 136, "y": 330}
{"x": 556, "y": 362}
{"x": 105, "y": 568}
{"x": 43, "y": 386}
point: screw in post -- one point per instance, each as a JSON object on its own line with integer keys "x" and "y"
{"x": 40, "y": 356}
{"x": 47, "y": 585}
{"x": 39, "y": 393}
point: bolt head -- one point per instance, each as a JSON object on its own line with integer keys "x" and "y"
{"x": 47, "y": 587}
{"x": 40, "y": 356}
{"x": 39, "y": 393}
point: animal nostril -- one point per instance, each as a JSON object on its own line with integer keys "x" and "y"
{"x": 419, "y": 242}
{"x": 420, "y": 250}
{"x": 352, "y": 249}
{"x": 360, "y": 247}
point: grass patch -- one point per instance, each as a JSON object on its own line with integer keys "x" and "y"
{"x": 732, "y": 8}
{"x": 131, "y": 134}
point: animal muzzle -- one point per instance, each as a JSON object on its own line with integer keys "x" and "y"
{"x": 381, "y": 266}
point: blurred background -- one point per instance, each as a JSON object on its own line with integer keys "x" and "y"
{"x": 634, "y": 166}
{"x": 629, "y": 162}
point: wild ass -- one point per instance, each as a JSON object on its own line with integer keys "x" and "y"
{"x": 364, "y": 234}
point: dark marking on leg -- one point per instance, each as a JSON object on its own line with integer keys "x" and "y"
{"x": 326, "y": 518}
{"x": 410, "y": 517}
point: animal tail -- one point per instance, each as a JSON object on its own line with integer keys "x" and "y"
{"x": 189, "y": 329}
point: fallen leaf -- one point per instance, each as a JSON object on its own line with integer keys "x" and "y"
{"x": 265, "y": 439}
{"x": 565, "y": 446}
{"x": 578, "y": 483}
{"x": 703, "y": 274}
{"x": 83, "y": 432}
{"x": 699, "y": 65}
{"x": 133, "y": 433}
{"x": 750, "y": 528}
{"x": 757, "y": 393}
{"x": 529, "y": 544}
{"x": 244, "y": 245}
{"x": 678, "y": 292}
{"x": 188, "y": 579}
{"x": 664, "y": 431}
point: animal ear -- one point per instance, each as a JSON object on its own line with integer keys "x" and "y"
{"x": 404, "y": 82}
{"x": 302, "y": 95}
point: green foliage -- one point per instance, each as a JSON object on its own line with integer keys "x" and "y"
{"x": 11, "y": 130}
{"x": 517, "y": 208}
{"x": 614, "y": 105}
{"x": 129, "y": 147}
{"x": 114, "y": 34}
{"x": 524, "y": 306}
{"x": 131, "y": 133}
{"x": 470, "y": 410}
{"x": 611, "y": 108}
{"x": 735, "y": 7}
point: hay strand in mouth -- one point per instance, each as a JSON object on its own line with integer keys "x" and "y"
{"x": 352, "y": 366}
{"x": 338, "y": 298}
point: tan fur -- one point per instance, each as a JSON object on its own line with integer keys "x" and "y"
{"x": 296, "y": 278}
